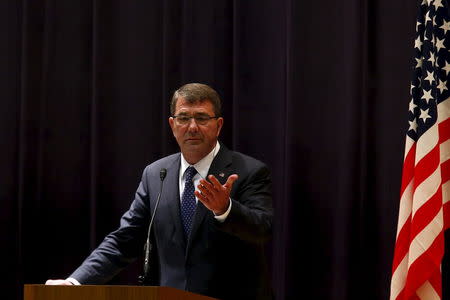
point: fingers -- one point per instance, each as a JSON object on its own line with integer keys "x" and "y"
{"x": 218, "y": 186}
{"x": 214, "y": 183}
{"x": 213, "y": 186}
{"x": 206, "y": 188}
{"x": 214, "y": 195}
{"x": 201, "y": 197}
{"x": 58, "y": 282}
{"x": 231, "y": 179}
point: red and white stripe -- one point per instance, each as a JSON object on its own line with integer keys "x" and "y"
{"x": 423, "y": 213}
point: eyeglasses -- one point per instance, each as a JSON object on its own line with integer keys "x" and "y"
{"x": 199, "y": 119}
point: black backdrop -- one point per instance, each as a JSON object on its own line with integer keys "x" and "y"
{"x": 319, "y": 90}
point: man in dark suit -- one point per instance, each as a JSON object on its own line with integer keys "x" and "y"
{"x": 213, "y": 219}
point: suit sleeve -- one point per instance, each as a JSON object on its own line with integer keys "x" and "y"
{"x": 121, "y": 247}
{"x": 251, "y": 214}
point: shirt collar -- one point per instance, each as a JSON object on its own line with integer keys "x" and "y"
{"x": 202, "y": 166}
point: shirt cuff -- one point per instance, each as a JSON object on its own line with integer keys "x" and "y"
{"x": 223, "y": 216}
{"x": 73, "y": 281}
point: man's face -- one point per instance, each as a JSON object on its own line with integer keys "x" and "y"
{"x": 195, "y": 140}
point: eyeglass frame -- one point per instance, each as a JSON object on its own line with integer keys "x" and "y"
{"x": 204, "y": 119}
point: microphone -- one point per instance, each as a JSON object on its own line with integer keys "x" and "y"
{"x": 144, "y": 278}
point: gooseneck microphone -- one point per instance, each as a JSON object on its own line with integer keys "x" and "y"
{"x": 144, "y": 278}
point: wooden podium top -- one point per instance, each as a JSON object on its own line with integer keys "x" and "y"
{"x": 106, "y": 292}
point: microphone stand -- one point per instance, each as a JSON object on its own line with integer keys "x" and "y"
{"x": 144, "y": 278}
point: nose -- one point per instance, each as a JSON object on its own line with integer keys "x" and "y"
{"x": 192, "y": 126}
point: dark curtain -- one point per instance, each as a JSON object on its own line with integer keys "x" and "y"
{"x": 318, "y": 90}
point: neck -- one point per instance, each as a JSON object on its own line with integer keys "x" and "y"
{"x": 193, "y": 157}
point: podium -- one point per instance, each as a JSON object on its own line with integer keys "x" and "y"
{"x": 107, "y": 292}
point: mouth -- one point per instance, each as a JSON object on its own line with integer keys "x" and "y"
{"x": 192, "y": 139}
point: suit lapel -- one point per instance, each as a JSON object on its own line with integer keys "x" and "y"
{"x": 172, "y": 198}
{"x": 221, "y": 169}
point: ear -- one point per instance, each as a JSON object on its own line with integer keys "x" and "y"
{"x": 219, "y": 125}
{"x": 171, "y": 123}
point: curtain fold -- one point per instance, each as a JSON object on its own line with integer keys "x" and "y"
{"x": 317, "y": 90}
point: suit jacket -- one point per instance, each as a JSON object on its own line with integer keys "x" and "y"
{"x": 223, "y": 260}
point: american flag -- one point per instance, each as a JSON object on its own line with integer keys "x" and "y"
{"x": 425, "y": 190}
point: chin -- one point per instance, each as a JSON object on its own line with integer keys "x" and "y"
{"x": 193, "y": 146}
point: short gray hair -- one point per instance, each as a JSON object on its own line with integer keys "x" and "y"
{"x": 197, "y": 92}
